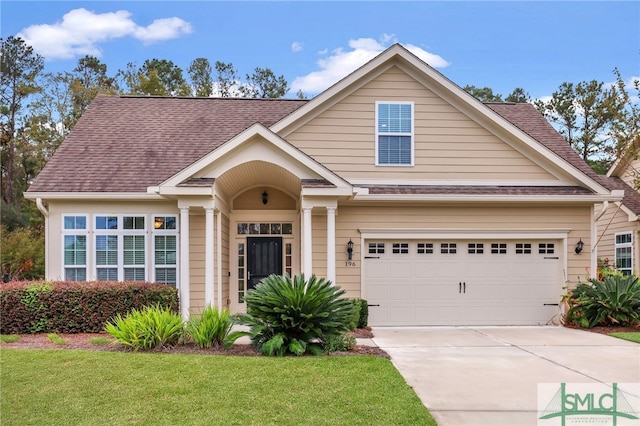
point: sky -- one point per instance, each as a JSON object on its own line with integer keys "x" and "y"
{"x": 502, "y": 45}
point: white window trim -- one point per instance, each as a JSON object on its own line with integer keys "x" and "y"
{"x": 76, "y": 232}
{"x": 120, "y": 233}
{"x": 171, "y": 232}
{"x": 413, "y": 144}
{"x": 623, "y": 245}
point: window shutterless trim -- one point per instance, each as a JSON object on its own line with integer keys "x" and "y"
{"x": 410, "y": 134}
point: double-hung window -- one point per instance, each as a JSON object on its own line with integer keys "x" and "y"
{"x": 394, "y": 133}
{"x": 120, "y": 248}
{"x": 624, "y": 253}
{"x": 75, "y": 247}
{"x": 165, "y": 248}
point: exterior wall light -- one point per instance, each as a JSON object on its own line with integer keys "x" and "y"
{"x": 265, "y": 198}
{"x": 350, "y": 249}
{"x": 579, "y": 246}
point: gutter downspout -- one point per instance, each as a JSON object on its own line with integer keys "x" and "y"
{"x": 45, "y": 213}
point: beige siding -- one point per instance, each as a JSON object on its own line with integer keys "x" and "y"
{"x": 616, "y": 221}
{"x": 575, "y": 220}
{"x": 630, "y": 174}
{"x": 252, "y": 200}
{"x": 196, "y": 261}
{"x": 448, "y": 145}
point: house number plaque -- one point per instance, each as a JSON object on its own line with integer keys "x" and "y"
{"x": 350, "y": 264}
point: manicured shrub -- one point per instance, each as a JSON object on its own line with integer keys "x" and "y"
{"x": 211, "y": 328}
{"x": 364, "y": 313}
{"x": 613, "y": 301}
{"x": 354, "y": 320}
{"x": 153, "y": 327}
{"x": 74, "y": 307}
{"x": 294, "y": 316}
{"x": 339, "y": 343}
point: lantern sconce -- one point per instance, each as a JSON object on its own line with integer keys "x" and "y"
{"x": 265, "y": 198}
{"x": 350, "y": 249}
{"x": 579, "y": 246}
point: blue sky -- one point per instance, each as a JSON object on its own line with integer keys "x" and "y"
{"x": 502, "y": 45}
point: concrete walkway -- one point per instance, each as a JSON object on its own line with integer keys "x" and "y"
{"x": 490, "y": 375}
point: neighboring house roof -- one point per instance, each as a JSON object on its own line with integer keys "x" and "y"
{"x": 631, "y": 198}
{"x": 126, "y": 144}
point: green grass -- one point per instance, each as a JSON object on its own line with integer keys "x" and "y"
{"x": 54, "y": 387}
{"x": 55, "y": 339}
{"x": 632, "y": 336}
{"x": 8, "y": 338}
{"x": 100, "y": 341}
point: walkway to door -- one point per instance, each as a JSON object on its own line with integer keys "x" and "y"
{"x": 490, "y": 375}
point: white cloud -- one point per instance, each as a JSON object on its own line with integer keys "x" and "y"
{"x": 296, "y": 46}
{"x": 81, "y": 31}
{"x": 342, "y": 62}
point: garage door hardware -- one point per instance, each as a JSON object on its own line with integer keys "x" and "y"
{"x": 372, "y": 257}
{"x": 552, "y": 257}
{"x": 550, "y": 304}
{"x": 462, "y": 287}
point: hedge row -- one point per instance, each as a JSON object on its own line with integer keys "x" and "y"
{"x": 74, "y": 307}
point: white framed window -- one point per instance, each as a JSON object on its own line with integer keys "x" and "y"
{"x": 165, "y": 249}
{"x": 624, "y": 252}
{"x": 120, "y": 247}
{"x": 394, "y": 133}
{"x": 74, "y": 247}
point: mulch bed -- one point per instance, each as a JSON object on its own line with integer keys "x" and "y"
{"x": 607, "y": 330}
{"x": 82, "y": 341}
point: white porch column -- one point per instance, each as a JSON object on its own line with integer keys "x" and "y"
{"x": 219, "y": 256}
{"x": 208, "y": 257}
{"x": 184, "y": 263}
{"x": 307, "y": 239}
{"x": 331, "y": 244}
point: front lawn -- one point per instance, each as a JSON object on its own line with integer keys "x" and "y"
{"x": 632, "y": 336}
{"x": 55, "y": 387}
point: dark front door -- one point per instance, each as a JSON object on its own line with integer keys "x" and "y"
{"x": 264, "y": 257}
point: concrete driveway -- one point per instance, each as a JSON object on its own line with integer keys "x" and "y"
{"x": 489, "y": 375}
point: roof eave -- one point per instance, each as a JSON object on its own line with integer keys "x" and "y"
{"x": 139, "y": 196}
{"x": 548, "y": 199}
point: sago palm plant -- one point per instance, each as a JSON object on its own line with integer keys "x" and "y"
{"x": 294, "y": 316}
{"x": 613, "y": 301}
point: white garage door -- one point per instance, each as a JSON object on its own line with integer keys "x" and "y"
{"x": 460, "y": 282}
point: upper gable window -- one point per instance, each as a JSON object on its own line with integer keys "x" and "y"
{"x": 394, "y": 133}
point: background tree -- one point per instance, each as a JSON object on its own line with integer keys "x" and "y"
{"x": 158, "y": 77}
{"x": 518, "y": 96}
{"x": 263, "y": 83}
{"x": 88, "y": 79}
{"x": 19, "y": 68}
{"x": 627, "y": 132}
{"x": 228, "y": 82}
{"x": 587, "y": 115}
{"x": 483, "y": 94}
{"x": 200, "y": 72}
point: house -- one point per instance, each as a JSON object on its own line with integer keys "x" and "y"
{"x": 394, "y": 183}
{"x": 618, "y": 223}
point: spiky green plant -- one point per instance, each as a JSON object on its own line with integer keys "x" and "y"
{"x": 294, "y": 316}
{"x": 613, "y": 301}
{"x": 152, "y": 327}
{"x": 211, "y": 328}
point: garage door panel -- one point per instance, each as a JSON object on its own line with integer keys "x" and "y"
{"x": 476, "y": 283}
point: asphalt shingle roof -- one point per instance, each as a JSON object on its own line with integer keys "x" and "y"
{"x": 125, "y": 144}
